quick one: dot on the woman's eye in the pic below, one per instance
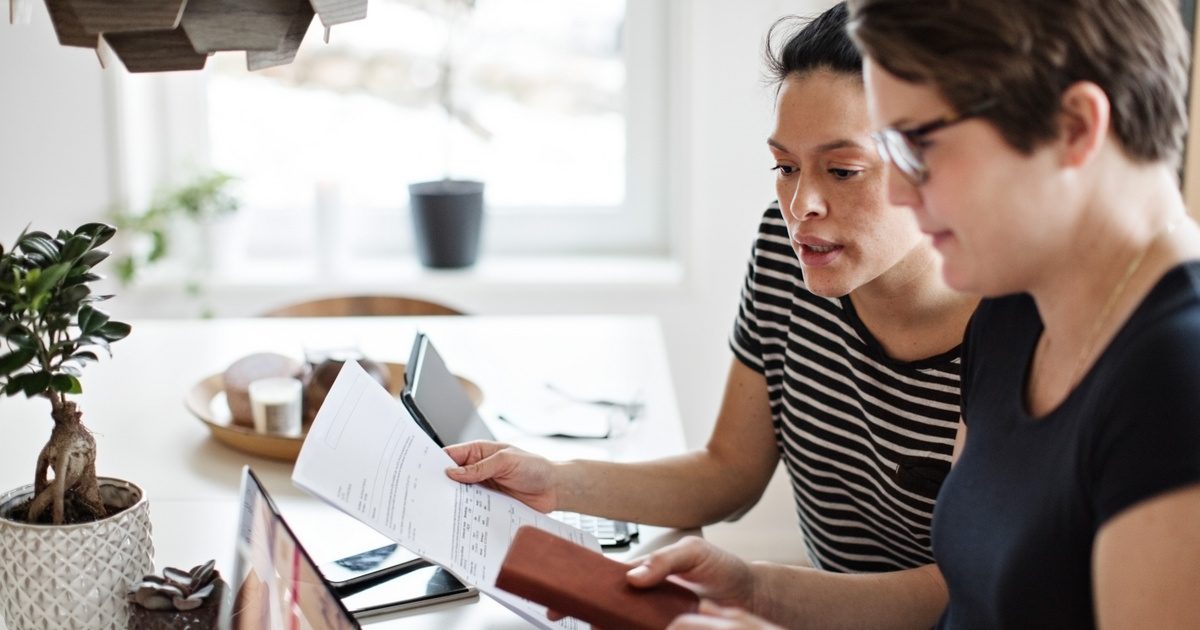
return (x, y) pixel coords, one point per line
(844, 173)
(784, 169)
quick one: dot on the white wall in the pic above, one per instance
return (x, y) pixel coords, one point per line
(54, 151)
(52, 134)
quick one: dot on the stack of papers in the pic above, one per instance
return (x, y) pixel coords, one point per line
(366, 456)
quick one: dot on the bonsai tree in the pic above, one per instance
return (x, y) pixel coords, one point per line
(50, 330)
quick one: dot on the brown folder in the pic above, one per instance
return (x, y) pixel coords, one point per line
(582, 583)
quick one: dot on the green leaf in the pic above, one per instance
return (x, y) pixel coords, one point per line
(33, 383)
(81, 278)
(114, 331)
(158, 245)
(71, 296)
(70, 368)
(66, 384)
(95, 340)
(84, 356)
(49, 279)
(76, 246)
(100, 232)
(126, 269)
(36, 260)
(93, 258)
(13, 387)
(39, 245)
(85, 315)
(96, 318)
(16, 360)
(22, 339)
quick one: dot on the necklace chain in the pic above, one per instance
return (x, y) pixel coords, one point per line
(1111, 303)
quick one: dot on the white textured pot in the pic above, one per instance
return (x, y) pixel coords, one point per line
(73, 577)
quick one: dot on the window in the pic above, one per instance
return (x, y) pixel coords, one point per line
(558, 106)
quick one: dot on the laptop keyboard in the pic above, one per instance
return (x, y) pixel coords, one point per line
(610, 533)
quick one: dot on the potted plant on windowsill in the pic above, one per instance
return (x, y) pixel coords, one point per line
(447, 214)
(194, 218)
(71, 544)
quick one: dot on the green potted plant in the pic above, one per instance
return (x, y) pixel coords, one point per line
(447, 214)
(200, 201)
(71, 545)
(192, 214)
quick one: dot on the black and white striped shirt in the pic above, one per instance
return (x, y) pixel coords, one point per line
(866, 439)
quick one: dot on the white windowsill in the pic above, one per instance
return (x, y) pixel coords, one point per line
(491, 272)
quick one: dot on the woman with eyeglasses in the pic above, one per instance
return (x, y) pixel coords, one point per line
(846, 353)
(1038, 144)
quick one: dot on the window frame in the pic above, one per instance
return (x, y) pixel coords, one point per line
(154, 136)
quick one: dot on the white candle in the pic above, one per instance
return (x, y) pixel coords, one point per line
(275, 405)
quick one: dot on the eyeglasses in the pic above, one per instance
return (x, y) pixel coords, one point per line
(904, 147)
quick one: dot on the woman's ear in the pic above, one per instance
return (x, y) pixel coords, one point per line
(1083, 122)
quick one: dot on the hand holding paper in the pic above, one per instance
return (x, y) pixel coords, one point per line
(366, 456)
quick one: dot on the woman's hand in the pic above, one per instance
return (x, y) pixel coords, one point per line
(707, 569)
(714, 617)
(524, 476)
(718, 576)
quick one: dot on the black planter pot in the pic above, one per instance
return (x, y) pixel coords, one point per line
(447, 221)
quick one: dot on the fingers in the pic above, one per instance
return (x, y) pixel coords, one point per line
(471, 452)
(709, 607)
(710, 616)
(678, 557)
(483, 461)
(477, 472)
(476, 461)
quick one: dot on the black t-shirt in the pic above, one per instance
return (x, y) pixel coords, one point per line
(1018, 514)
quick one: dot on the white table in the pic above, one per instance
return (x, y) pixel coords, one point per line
(133, 404)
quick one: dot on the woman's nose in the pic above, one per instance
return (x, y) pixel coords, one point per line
(901, 192)
(806, 202)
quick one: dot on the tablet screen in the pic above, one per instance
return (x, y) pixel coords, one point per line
(440, 399)
(275, 584)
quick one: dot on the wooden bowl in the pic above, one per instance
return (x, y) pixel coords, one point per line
(206, 400)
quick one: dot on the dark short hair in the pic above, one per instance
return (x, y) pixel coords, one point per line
(1022, 55)
(817, 44)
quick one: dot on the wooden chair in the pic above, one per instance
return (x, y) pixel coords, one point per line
(362, 305)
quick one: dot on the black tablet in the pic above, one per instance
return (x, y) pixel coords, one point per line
(424, 586)
(438, 401)
(372, 565)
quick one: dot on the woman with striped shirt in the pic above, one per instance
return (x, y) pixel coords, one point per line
(846, 353)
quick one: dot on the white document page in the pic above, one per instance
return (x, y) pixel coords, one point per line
(366, 456)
